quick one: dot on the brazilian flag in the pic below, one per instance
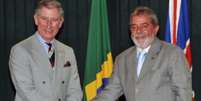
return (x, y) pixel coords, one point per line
(99, 64)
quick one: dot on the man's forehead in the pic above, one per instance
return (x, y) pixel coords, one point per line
(140, 20)
(49, 11)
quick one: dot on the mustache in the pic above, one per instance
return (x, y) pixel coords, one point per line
(138, 35)
(142, 44)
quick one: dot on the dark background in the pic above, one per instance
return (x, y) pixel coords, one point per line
(16, 24)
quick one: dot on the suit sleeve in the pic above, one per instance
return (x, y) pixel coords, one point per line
(181, 77)
(74, 91)
(19, 65)
(114, 89)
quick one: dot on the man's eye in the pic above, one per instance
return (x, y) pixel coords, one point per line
(145, 25)
(44, 18)
(56, 19)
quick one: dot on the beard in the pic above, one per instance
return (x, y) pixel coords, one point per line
(142, 42)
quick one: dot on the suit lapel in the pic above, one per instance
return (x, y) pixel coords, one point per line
(131, 65)
(151, 57)
(40, 56)
(59, 58)
(131, 73)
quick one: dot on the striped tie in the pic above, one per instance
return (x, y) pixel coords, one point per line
(51, 54)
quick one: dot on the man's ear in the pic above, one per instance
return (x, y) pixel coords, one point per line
(35, 19)
(61, 22)
(156, 29)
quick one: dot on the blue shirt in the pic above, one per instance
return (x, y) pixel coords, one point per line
(43, 42)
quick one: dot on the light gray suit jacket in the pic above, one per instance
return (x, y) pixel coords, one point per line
(35, 80)
(164, 76)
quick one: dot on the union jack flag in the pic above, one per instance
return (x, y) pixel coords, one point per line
(177, 28)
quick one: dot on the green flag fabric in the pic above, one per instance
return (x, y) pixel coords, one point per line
(99, 64)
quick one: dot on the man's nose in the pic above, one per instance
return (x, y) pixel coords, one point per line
(49, 22)
(139, 29)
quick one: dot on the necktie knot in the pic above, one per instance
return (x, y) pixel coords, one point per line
(49, 46)
(141, 55)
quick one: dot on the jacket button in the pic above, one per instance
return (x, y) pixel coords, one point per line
(62, 82)
(59, 99)
(43, 82)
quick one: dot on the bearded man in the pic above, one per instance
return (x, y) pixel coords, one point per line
(152, 70)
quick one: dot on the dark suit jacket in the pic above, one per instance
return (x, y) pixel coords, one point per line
(164, 76)
(34, 78)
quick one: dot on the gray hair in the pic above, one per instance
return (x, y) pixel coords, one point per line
(49, 4)
(142, 10)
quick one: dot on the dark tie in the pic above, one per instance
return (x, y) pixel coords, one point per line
(50, 46)
(51, 54)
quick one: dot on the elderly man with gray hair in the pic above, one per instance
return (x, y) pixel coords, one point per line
(41, 67)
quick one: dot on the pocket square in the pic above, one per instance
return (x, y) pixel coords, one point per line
(67, 64)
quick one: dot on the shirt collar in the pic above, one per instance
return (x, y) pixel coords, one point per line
(145, 50)
(41, 39)
(43, 42)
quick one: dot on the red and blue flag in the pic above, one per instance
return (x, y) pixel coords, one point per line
(177, 27)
